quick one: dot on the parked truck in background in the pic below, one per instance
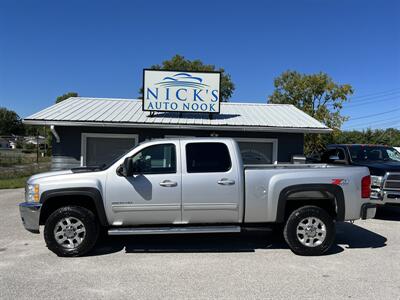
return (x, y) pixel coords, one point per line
(198, 185)
(382, 161)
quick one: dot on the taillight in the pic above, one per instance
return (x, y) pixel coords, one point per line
(366, 187)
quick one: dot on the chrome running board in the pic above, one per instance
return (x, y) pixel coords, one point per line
(173, 230)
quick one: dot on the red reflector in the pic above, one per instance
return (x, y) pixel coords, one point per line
(366, 187)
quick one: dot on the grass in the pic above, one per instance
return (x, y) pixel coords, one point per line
(16, 167)
(12, 157)
(13, 183)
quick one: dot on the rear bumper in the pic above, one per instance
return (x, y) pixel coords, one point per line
(30, 214)
(368, 211)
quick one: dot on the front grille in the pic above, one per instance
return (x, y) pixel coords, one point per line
(392, 182)
(393, 177)
(392, 185)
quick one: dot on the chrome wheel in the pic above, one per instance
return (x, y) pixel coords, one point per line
(311, 232)
(69, 232)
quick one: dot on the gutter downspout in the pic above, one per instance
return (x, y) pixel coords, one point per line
(54, 132)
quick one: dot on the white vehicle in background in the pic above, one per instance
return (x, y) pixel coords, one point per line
(197, 185)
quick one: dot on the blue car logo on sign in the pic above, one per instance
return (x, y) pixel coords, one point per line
(184, 80)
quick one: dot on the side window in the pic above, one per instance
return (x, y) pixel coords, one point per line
(157, 159)
(207, 158)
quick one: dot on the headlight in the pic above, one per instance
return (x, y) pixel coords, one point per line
(32, 193)
(376, 180)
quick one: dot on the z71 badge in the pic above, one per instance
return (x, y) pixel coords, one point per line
(340, 181)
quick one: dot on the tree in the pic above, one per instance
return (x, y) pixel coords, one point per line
(389, 136)
(10, 122)
(179, 63)
(66, 96)
(317, 95)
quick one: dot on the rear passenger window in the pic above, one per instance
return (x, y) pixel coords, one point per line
(207, 158)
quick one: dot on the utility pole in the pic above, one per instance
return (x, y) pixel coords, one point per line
(45, 140)
(37, 146)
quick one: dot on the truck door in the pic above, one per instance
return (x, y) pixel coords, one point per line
(154, 195)
(210, 183)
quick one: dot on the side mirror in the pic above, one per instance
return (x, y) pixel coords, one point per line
(334, 157)
(126, 168)
(336, 160)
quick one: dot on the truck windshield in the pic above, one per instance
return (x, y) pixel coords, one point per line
(110, 163)
(360, 153)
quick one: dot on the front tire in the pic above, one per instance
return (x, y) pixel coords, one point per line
(309, 231)
(71, 231)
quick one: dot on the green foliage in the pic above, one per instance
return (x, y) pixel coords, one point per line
(10, 122)
(317, 95)
(179, 63)
(31, 129)
(66, 96)
(15, 177)
(390, 137)
(30, 147)
(13, 183)
(10, 158)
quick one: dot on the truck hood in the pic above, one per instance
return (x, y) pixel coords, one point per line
(381, 167)
(49, 174)
(63, 172)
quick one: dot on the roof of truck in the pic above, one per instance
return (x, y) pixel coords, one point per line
(362, 145)
(82, 111)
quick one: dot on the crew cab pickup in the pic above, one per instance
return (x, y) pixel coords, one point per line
(198, 185)
(382, 161)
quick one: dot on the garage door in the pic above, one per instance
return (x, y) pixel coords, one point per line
(258, 151)
(99, 149)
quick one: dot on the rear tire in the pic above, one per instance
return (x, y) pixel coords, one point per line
(309, 231)
(71, 231)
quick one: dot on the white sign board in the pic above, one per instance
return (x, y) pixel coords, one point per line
(181, 91)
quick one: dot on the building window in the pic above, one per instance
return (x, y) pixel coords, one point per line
(102, 148)
(207, 158)
(258, 151)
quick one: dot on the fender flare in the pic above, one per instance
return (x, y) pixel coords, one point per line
(336, 190)
(93, 193)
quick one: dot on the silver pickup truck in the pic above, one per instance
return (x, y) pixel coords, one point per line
(195, 185)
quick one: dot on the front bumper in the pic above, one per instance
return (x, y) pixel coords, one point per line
(30, 214)
(385, 196)
(368, 211)
(391, 197)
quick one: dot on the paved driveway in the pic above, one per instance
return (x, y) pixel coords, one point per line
(364, 263)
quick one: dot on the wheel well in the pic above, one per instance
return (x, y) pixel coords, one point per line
(328, 197)
(327, 204)
(56, 202)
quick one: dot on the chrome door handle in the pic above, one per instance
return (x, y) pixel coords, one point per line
(168, 183)
(226, 181)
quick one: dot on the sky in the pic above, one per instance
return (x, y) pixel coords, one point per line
(99, 48)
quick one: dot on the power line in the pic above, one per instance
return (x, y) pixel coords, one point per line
(375, 114)
(378, 121)
(378, 94)
(393, 122)
(372, 100)
(367, 102)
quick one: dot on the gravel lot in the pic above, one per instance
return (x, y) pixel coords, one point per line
(364, 263)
